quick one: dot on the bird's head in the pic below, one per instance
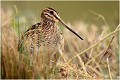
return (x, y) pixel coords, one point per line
(50, 14)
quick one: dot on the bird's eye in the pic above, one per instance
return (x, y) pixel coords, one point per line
(51, 12)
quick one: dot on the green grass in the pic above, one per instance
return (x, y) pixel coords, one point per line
(96, 57)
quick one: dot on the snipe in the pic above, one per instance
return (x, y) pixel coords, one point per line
(45, 37)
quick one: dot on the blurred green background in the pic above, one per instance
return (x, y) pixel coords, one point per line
(71, 11)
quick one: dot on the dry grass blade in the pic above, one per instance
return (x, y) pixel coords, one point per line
(100, 16)
(115, 31)
(82, 63)
(109, 69)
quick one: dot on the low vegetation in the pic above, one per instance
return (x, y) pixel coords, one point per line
(96, 57)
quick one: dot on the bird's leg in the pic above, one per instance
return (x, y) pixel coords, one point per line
(63, 55)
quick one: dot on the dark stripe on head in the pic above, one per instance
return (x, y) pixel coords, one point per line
(50, 8)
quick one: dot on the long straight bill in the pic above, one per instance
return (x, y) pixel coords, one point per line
(70, 29)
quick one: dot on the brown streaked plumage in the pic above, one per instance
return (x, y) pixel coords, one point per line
(45, 37)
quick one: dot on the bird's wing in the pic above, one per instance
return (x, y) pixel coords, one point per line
(25, 35)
